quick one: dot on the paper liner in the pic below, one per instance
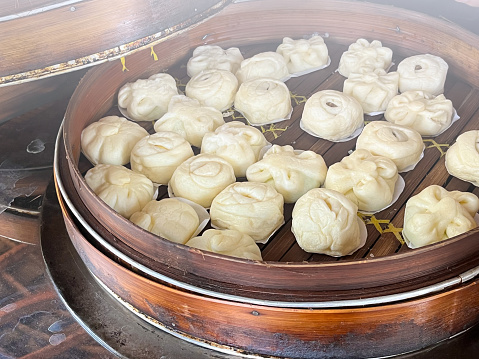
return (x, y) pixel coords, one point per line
(313, 69)
(287, 117)
(398, 189)
(202, 213)
(412, 246)
(262, 241)
(355, 134)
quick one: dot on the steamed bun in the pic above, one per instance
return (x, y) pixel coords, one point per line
(189, 119)
(363, 56)
(301, 55)
(429, 115)
(169, 218)
(237, 143)
(147, 99)
(367, 180)
(249, 207)
(200, 178)
(422, 73)
(325, 221)
(124, 190)
(158, 155)
(110, 140)
(373, 90)
(213, 88)
(265, 64)
(462, 158)
(436, 214)
(208, 57)
(263, 101)
(401, 144)
(228, 242)
(291, 173)
(332, 115)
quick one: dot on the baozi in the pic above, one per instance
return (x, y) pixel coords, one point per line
(435, 214)
(188, 118)
(208, 57)
(147, 99)
(158, 155)
(401, 144)
(213, 88)
(332, 115)
(367, 180)
(169, 218)
(325, 221)
(124, 190)
(427, 114)
(237, 143)
(228, 242)
(265, 64)
(250, 207)
(422, 73)
(364, 56)
(263, 101)
(200, 178)
(292, 173)
(462, 158)
(110, 140)
(304, 54)
(373, 89)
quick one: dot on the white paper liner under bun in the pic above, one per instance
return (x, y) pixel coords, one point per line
(398, 189)
(355, 134)
(412, 246)
(262, 241)
(203, 215)
(313, 69)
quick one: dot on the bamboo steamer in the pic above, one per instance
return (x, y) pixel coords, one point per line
(290, 287)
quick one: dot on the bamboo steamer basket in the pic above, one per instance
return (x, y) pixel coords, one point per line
(290, 286)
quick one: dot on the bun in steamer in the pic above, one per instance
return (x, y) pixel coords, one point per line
(436, 214)
(265, 64)
(147, 99)
(158, 155)
(367, 180)
(462, 158)
(422, 73)
(401, 144)
(169, 218)
(292, 173)
(200, 178)
(250, 207)
(263, 101)
(124, 190)
(364, 56)
(110, 140)
(237, 143)
(208, 57)
(427, 114)
(228, 242)
(325, 221)
(304, 54)
(213, 88)
(188, 118)
(332, 115)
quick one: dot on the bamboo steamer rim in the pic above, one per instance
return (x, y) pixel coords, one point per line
(468, 40)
